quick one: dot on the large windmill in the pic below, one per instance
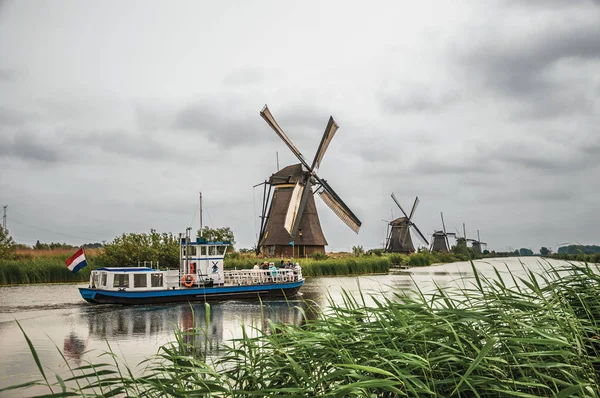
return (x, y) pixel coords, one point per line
(289, 223)
(440, 241)
(399, 240)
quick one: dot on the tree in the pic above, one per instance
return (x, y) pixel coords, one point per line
(223, 234)
(7, 245)
(358, 250)
(129, 249)
(525, 252)
(544, 251)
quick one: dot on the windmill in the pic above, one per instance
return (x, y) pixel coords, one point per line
(440, 239)
(399, 240)
(477, 244)
(289, 223)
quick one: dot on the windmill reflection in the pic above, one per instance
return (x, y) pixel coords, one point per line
(74, 347)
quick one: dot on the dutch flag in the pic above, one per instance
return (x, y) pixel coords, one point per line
(76, 261)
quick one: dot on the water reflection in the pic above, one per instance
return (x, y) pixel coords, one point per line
(116, 323)
(74, 347)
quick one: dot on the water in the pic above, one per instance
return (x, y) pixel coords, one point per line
(55, 317)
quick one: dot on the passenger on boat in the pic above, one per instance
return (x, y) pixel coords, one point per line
(256, 266)
(265, 265)
(282, 264)
(290, 264)
(273, 270)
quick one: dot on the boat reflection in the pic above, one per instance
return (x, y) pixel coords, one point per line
(200, 331)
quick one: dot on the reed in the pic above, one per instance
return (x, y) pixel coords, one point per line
(535, 336)
(42, 270)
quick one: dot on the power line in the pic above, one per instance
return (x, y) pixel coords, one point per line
(37, 227)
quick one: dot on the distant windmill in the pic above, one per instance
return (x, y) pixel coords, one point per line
(440, 239)
(289, 222)
(477, 244)
(399, 240)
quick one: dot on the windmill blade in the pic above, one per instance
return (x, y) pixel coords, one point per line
(266, 114)
(337, 205)
(307, 190)
(398, 203)
(444, 228)
(415, 204)
(330, 130)
(292, 212)
(420, 235)
(478, 238)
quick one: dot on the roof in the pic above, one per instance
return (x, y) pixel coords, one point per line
(288, 175)
(127, 269)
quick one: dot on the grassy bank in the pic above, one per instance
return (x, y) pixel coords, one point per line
(536, 339)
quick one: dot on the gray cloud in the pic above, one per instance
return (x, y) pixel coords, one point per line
(7, 74)
(15, 118)
(119, 142)
(417, 100)
(519, 64)
(31, 147)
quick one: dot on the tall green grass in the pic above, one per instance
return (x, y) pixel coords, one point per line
(42, 270)
(536, 336)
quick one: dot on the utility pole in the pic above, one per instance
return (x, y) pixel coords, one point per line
(4, 220)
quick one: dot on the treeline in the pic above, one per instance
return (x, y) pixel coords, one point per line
(579, 249)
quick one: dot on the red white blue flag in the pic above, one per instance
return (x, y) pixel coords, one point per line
(77, 261)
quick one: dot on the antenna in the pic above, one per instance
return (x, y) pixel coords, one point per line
(200, 214)
(277, 156)
(4, 220)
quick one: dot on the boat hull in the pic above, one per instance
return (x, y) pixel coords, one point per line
(99, 296)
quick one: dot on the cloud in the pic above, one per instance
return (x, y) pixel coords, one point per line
(14, 118)
(7, 74)
(244, 76)
(32, 147)
(520, 57)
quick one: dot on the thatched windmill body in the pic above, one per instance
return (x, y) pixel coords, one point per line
(290, 224)
(399, 239)
(439, 239)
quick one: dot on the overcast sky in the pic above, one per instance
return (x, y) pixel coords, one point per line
(114, 115)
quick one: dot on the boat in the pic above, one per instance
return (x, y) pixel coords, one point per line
(201, 277)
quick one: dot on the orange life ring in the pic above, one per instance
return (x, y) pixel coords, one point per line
(188, 280)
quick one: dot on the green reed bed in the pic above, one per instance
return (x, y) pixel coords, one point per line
(40, 270)
(536, 336)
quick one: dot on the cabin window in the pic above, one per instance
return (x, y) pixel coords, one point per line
(140, 280)
(121, 280)
(221, 249)
(103, 279)
(204, 250)
(157, 280)
(213, 250)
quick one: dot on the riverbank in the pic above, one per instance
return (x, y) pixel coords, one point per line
(521, 327)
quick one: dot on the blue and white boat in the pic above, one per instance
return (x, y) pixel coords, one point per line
(201, 277)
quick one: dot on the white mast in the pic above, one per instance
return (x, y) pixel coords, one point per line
(200, 214)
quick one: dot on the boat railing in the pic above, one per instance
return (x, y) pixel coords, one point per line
(260, 276)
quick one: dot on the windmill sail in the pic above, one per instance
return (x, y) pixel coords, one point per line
(266, 114)
(330, 130)
(339, 207)
(292, 212)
